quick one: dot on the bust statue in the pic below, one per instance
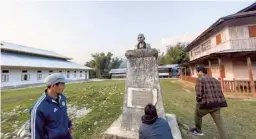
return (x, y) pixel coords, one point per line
(141, 43)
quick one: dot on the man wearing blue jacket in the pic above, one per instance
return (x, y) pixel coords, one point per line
(49, 118)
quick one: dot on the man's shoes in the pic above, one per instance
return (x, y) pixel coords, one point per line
(195, 131)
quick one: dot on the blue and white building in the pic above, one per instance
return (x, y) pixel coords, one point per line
(164, 71)
(22, 65)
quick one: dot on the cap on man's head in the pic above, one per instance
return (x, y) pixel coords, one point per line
(55, 78)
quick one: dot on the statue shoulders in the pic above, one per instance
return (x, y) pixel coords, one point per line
(148, 45)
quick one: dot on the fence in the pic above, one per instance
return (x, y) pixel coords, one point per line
(239, 86)
(236, 86)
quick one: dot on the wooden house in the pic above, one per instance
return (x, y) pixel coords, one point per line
(228, 49)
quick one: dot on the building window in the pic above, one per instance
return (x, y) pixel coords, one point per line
(24, 71)
(205, 46)
(25, 77)
(252, 31)
(5, 76)
(81, 73)
(197, 50)
(39, 75)
(85, 74)
(218, 39)
(60, 71)
(50, 72)
(75, 74)
(5, 71)
(67, 74)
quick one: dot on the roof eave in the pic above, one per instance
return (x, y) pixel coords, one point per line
(247, 8)
(204, 33)
(11, 50)
(12, 66)
(213, 26)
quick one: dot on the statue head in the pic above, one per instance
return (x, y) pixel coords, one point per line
(141, 38)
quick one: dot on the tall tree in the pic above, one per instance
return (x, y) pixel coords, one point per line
(102, 63)
(161, 59)
(115, 63)
(176, 54)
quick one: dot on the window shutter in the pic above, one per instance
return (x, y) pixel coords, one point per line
(252, 31)
(218, 39)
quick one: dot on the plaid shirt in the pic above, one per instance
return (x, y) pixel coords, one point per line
(209, 94)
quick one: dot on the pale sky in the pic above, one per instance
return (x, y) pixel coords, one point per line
(78, 29)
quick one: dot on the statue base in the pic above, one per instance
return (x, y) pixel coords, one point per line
(115, 131)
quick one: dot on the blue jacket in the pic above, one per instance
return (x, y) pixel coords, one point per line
(49, 119)
(160, 129)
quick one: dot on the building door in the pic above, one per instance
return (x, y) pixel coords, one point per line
(85, 75)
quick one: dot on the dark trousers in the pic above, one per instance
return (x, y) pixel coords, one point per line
(215, 113)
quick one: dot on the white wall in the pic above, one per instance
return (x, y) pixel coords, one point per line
(240, 38)
(254, 70)
(233, 69)
(229, 69)
(224, 45)
(15, 76)
(215, 70)
(239, 32)
(193, 68)
(241, 70)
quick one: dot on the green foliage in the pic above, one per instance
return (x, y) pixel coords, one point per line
(175, 55)
(105, 99)
(161, 59)
(115, 63)
(103, 63)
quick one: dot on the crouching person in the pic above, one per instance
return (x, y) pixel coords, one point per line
(153, 127)
(49, 118)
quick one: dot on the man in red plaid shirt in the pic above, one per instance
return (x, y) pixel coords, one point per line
(210, 100)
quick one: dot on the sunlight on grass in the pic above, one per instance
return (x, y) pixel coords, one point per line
(105, 99)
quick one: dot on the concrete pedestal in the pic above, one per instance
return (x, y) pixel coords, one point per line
(142, 87)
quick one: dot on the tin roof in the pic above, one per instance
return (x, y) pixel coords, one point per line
(22, 60)
(29, 50)
(168, 66)
(121, 70)
(124, 70)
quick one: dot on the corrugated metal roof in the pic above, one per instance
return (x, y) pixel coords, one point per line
(21, 60)
(30, 50)
(168, 66)
(121, 70)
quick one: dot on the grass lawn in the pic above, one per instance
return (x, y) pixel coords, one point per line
(105, 99)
